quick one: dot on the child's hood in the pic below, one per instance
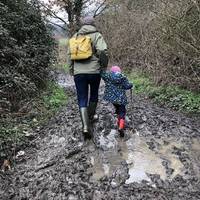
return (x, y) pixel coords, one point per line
(116, 78)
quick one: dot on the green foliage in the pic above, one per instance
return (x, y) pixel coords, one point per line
(141, 83)
(10, 136)
(26, 50)
(9, 133)
(56, 98)
(172, 96)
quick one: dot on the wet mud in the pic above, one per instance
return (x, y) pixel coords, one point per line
(158, 159)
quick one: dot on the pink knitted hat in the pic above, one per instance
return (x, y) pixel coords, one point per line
(115, 69)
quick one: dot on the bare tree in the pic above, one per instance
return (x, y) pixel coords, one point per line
(74, 9)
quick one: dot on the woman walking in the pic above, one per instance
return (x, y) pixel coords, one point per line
(85, 64)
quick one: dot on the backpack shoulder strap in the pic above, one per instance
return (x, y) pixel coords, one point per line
(86, 33)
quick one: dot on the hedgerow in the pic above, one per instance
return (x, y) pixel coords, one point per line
(26, 52)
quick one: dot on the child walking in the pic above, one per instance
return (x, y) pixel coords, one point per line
(115, 92)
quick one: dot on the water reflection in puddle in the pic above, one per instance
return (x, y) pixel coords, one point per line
(195, 155)
(140, 159)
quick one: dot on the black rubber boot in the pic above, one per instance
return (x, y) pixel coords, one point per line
(85, 122)
(92, 111)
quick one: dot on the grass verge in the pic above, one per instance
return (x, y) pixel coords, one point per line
(171, 96)
(15, 128)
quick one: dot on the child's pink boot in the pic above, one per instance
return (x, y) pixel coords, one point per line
(121, 125)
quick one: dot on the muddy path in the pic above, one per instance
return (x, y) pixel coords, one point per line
(159, 158)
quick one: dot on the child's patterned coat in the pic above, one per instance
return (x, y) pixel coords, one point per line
(116, 86)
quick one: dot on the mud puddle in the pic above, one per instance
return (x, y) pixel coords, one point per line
(106, 160)
(140, 159)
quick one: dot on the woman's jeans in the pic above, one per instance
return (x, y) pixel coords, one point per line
(83, 82)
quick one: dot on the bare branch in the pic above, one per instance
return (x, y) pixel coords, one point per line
(99, 7)
(51, 13)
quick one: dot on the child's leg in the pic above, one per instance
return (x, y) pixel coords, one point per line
(122, 114)
(122, 111)
(116, 108)
(117, 111)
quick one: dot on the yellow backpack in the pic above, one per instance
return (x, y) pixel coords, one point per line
(80, 47)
